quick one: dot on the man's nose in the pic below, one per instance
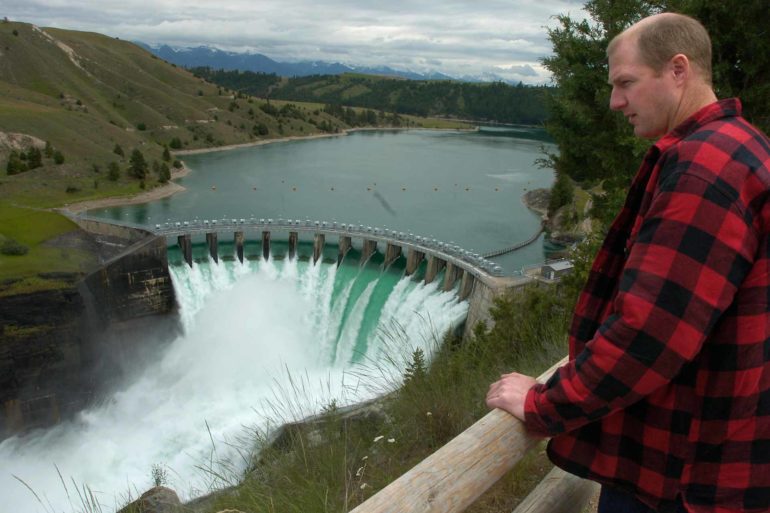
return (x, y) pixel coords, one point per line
(617, 100)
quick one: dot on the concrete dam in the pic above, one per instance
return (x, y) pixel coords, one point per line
(460, 265)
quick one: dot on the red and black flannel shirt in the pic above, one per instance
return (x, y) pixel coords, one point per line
(668, 389)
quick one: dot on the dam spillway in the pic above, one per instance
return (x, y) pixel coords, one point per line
(461, 264)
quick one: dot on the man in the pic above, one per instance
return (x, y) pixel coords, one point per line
(666, 399)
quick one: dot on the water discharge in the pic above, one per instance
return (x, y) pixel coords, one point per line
(262, 340)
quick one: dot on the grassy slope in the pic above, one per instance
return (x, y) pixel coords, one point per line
(84, 93)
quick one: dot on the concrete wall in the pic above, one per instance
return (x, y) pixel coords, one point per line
(483, 295)
(131, 235)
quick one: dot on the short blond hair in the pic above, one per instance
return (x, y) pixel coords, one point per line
(661, 37)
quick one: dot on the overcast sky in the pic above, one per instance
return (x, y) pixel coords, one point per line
(459, 38)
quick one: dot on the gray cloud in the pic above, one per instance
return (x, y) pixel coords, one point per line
(456, 37)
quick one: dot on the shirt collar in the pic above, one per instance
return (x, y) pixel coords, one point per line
(728, 107)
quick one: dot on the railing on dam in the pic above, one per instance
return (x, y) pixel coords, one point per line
(418, 246)
(453, 477)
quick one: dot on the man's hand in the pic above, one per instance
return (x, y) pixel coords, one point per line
(509, 393)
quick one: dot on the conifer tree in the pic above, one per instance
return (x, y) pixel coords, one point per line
(137, 165)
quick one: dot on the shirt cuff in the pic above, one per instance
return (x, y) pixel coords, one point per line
(534, 423)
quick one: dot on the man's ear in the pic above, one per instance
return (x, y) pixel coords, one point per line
(679, 65)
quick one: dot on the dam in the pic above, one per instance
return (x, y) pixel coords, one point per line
(460, 265)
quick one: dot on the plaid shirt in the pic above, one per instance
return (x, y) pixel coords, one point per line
(668, 389)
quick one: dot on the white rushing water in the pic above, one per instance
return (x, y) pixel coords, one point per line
(263, 341)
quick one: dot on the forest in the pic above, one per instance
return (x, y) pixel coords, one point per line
(494, 102)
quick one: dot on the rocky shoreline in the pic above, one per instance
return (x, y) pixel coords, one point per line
(537, 201)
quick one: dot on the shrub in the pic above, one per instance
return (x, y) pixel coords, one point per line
(175, 143)
(58, 157)
(13, 248)
(269, 109)
(34, 158)
(117, 150)
(71, 189)
(113, 171)
(15, 164)
(141, 127)
(177, 164)
(159, 475)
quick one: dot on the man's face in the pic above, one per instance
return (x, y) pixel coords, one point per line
(647, 98)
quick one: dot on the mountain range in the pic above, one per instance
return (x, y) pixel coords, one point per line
(215, 58)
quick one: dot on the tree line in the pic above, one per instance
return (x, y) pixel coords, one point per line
(497, 101)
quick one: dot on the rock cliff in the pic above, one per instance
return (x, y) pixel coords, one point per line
(59, 349)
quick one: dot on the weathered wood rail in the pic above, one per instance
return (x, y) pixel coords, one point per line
(452, 478)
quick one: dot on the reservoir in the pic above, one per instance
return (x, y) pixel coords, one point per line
(255, 333)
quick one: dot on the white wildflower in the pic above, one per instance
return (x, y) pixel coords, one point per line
(391, 440)
(378, 438)
(363, 485)
(359, 471)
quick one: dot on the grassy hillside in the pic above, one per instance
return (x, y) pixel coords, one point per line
(88, 102)
(84, 93)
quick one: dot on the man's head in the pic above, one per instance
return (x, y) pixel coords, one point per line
(660, 72)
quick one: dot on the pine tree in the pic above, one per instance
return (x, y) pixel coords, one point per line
(165, 173)
(137, 165)
(417, 368)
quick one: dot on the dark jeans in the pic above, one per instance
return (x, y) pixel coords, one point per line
(612, 500)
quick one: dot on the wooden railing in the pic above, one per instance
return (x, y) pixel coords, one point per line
(452, 478)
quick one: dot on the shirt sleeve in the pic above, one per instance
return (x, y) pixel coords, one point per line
(693, 250)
